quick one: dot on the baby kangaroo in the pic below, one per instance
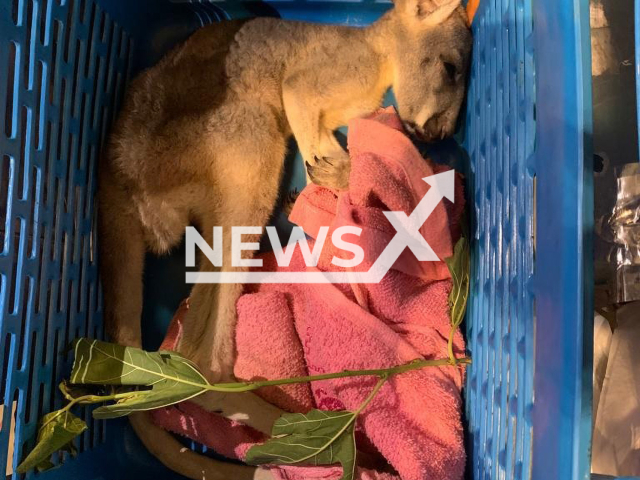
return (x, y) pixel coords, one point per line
(202, 137)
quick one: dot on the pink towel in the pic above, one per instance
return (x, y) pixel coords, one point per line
(412, 430)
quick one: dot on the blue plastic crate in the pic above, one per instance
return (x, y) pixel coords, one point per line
(63, 67)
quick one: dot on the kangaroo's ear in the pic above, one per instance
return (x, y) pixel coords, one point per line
(433, 12)
(472, 8)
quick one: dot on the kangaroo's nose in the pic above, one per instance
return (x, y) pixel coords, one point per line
(410, 126)
(433, 127)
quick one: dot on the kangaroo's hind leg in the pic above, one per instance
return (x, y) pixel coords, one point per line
(247, 174)
(247, 183)
(212, 314)
(122, 242)
(122, 249)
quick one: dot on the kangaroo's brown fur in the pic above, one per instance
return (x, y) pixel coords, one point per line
(202, 137)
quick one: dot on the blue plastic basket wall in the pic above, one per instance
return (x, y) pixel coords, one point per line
(63, 67)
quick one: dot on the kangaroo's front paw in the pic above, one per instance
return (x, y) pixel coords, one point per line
(332, 171)
(289, 201)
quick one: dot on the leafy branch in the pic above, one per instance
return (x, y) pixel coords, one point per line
(140, 380)
(165, 378)
(317, 438)
(58, 429)
(459, 268)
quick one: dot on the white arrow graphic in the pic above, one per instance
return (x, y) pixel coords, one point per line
(407, 236)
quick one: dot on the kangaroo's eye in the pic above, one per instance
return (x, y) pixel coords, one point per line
(451, 70)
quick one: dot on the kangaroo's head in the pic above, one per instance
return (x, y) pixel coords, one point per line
(431, 50)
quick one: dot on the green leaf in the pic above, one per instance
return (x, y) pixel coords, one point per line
(459, 268)
(57, 431)
(317, 438)
(168, 377)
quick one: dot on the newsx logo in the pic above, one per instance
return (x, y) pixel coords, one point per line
(407, 236)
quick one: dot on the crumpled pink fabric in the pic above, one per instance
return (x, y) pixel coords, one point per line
(412, 430)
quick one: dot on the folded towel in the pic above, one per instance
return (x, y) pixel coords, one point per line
(414, 424)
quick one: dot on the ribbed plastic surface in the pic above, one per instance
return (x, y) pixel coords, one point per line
(500, 139)
(63, 65)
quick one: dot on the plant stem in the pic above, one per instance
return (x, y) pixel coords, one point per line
(90, 399)
(239, 387)
(248, 386)
(373, 393)
(85, 400)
